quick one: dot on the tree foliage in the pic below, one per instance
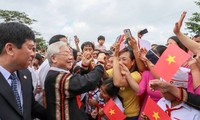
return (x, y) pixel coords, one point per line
(193, 23)
(41, 44)
(16, 16)
(22, 17)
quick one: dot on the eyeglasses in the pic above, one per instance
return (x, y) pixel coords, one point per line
(67, 55)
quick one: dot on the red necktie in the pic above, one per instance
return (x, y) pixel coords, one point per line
(169, 110)
(78, 101)
(98, 107)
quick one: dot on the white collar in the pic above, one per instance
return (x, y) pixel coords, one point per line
(177, 106)
(59, 69)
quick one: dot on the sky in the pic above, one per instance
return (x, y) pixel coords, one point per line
(90, 18)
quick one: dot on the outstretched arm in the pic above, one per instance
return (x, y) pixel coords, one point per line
(136, 52)
(190, 98)
(76, 40)
(132, 83)
(118, 79)
(190, 44)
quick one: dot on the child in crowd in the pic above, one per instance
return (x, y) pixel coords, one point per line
(91, 100)
(87, 50)
(108, 91)
(175, 107)
(101, 41)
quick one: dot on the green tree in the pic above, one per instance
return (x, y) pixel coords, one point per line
(193, 23)
(22, 17)
(41, 44)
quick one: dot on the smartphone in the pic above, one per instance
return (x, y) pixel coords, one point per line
(152, 56)
(143, 31)
(127, 33)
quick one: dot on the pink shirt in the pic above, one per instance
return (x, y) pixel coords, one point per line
(145, 90)
(190, 86)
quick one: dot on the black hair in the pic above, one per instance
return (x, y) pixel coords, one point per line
(131, 56)
(74, 53)
(154, 45)
(179, 43)
(16, 33)
(107, 53)
(111, 90)
(159, 49)
(196, 36)
(97, 50)
(128, 49)
(87, 43)
(56, 38)
(39, 58)
(101, 37)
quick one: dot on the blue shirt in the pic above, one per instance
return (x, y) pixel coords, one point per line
(6, 74)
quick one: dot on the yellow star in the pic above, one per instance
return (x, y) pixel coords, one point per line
(170, 59)
(112, 111)
(156, 115)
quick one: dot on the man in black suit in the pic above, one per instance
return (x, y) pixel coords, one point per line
(16, 53)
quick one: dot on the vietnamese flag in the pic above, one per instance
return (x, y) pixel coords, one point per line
(170, 61)
(112, 111)
(154, 112)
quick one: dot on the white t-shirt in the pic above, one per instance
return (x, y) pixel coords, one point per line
(185, 113)
(42, 71)
(103, 48)
(118, 103)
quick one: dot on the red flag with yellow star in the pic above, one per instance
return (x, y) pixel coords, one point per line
(112, 111)
(154, 112)
(170, 61)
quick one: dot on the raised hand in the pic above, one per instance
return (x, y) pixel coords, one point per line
(87, 58)
(144, 117)
(76, 41)
(157, 84)
(102, 58)
(133, 43)
(139, 35)
(116, 49)
(94, 113)
(178, 24)
(124, 69)
(142, 54)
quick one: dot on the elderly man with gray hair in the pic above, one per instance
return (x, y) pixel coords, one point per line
(63, 87)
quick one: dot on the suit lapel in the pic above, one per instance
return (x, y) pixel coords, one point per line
(7, 93)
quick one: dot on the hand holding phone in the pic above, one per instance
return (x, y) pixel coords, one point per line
(152, 56)
(143, 32)
(127, 33)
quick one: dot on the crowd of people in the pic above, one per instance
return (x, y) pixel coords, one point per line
(69, 83)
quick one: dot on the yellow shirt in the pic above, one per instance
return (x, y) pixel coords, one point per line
(130, 99)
